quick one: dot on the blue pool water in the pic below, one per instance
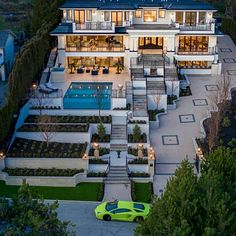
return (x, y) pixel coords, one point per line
(88, 95)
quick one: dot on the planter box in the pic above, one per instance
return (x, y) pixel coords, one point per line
(46, 163)
(138, 167)
(97, 168)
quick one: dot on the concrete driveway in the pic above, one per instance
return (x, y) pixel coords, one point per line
(82, 215)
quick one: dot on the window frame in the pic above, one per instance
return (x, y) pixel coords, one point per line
(141, 14)
(182, 17)
(107, 13)
(155, 19)
(126, 16)
(89, 15)
(162, 10)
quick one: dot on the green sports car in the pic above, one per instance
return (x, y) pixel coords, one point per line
(122, 210)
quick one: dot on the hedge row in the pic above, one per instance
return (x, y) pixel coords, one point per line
(29, 62)
(229, 27)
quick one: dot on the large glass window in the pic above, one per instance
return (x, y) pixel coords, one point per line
(193, 43)
(190, 18)
(88, 15)
(150, 43)
(150, 16)
(79, 16)
(194, 64)
(106, 16)
(116, 17)
(162, 13)
(69, 15)
(202, 18)
(179, 18)
(138, 14)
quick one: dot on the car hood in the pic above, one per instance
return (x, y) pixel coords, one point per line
(101, 207)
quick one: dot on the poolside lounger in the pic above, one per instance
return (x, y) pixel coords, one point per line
(44, 89)
(50, 86)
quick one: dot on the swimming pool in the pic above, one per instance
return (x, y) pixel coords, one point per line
(88, 95)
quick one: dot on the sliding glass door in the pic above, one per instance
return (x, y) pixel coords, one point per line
(117, 18)
(79, 17)
(190, 18)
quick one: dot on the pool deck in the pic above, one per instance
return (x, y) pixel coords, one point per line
(116, 79)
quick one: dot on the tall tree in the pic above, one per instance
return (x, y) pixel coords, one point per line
(25, 215)
(197, 206)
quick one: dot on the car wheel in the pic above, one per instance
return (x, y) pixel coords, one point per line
(107, 218)
(138, 219)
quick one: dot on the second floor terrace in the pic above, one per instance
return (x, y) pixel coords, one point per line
(94, 44)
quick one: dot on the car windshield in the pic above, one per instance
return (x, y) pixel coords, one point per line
(111, 206)
(139, 206)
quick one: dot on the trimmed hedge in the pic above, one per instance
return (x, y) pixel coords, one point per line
(42, 172)
(140, 161)
(29, 62)
(71, 119)
(97, 161)
(229, 27)
(54, 128)
(96, 174)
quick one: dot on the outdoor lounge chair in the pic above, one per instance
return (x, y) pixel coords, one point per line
(51, 87)
(44, 89)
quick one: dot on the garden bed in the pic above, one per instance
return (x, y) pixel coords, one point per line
(54, 128)
(31, 148)
(71, 119)
(96, 138)
(152, 114)
(102, 151)
(137, 122)
(82, 192)
(42, 172)
(134, 151)
(141, 139)
(97, 161)
(140, 161)
(171, 99)
(139, 175)
(97, 174)
(45, 108)
(142, 192)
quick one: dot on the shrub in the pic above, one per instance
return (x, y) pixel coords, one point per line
(100, 192)
(140, 161)
(138, 174)
(97, 161)
(226, 123)
(101, 129)
(137, 133)
(96, 174)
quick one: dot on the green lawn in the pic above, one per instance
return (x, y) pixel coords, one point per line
(82, 192)
(143, 192)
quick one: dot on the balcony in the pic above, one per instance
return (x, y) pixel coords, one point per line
(108, 27)
(207, 51)
(198, 27)
(118, 48)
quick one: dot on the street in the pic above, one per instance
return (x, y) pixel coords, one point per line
(81, 214)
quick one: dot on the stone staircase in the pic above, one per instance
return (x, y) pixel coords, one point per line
(117, 175)
(155, 87)
(139, 102)
(118, 147)
(118, 131)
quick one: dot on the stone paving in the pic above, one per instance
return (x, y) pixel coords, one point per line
(172, 141)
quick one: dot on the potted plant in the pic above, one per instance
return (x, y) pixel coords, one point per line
(119, 67)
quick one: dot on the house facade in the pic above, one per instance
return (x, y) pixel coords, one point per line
(178, 33)
(6, 53)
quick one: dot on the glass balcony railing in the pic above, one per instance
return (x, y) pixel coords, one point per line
(192, 51)
(104, 48)
(94, 26)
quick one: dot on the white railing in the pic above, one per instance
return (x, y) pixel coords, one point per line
(94, 26)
